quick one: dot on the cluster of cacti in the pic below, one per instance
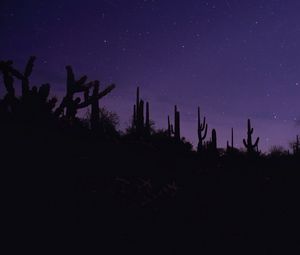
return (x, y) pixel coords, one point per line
(250, 146)
(140, 124)
(174, 130)
(210, 146)
(72, 105)
(36, 100)
(33, 100)
(202, 127)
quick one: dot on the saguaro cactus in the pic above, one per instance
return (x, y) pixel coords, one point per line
(139, 123)
(147, 122)
(202, 127)
(73, 86)
(231, 146)
(249, 144)
(214, 139)
(23, 77)
(93, 100)
(176, 123)
(170, 127)
(5, 67)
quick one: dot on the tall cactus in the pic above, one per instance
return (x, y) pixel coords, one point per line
(176, 123)
(93, 100)
(231, 146)
(202, 127)
(170, 127)
(138, 114)
(73, 86)
(140, 124)
(214, 140)
(147, 121)
(249, 144)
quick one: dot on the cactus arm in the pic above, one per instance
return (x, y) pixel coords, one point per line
(61, 107)
(203, 125)
(84, 104)
(70, 79)
(29, 67)
(8, 82)
(15, 73)
(245, 144)
(205, 132)
(106, 91)
(256, 142)
(82, 80)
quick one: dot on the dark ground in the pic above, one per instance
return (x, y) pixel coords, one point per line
(131, 198)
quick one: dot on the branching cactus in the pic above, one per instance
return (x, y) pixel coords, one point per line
(249, 144)
(24, 77)
(202, 131)
(93, 100)
(73, 86)
(5, 67)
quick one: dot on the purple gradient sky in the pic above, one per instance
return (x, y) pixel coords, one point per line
(235, 59)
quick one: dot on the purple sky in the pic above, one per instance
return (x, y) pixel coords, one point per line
(235, 59)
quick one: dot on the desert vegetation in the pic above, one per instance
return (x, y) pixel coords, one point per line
(142, 184)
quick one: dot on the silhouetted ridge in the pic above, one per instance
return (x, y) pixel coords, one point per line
(79, 178)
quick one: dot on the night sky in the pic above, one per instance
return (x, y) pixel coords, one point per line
(235, 59)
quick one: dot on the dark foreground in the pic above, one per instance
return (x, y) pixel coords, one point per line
(131, 199)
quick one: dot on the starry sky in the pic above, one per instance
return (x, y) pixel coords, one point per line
(236, 59)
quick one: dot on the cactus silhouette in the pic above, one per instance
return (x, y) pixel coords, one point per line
(73, 86)
(249, 144)
(147, 122)
(93, 100)
(24, 77)
(170, 128)
(5, 67)
(176, 124)
(33, 101)
(214, 140)
(139, 123)
(138, 114)
(231, 146)
(202, 127)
